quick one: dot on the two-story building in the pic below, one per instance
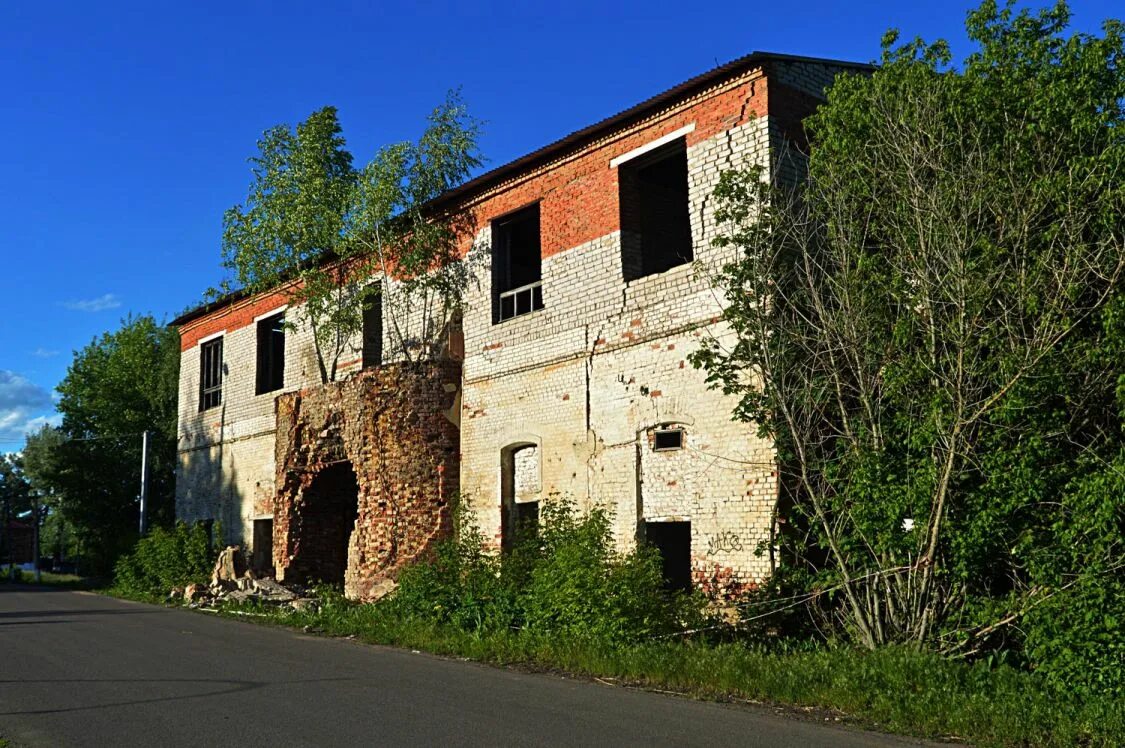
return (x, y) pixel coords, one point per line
(574, 380)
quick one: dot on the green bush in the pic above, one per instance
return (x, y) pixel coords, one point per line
(164, 559)
(564, 578)
(580, 586)
(11, 574)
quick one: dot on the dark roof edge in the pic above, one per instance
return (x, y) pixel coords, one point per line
(592, 132)
(575, 140)
(225, 300)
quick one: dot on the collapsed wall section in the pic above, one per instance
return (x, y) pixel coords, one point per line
(367, 471)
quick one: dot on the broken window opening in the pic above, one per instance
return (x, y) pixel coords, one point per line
(655, 226)
(210, 374)
(325, 522)
(271, 354)
(262, 558)
(519, 488)
(673, 541)
(517, 265)
(667, 439)
(373, 332)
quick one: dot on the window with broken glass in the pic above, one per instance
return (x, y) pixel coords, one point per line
(271, 354)
(517, 265)
(210, 374)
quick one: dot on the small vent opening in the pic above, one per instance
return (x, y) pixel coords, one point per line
(668, 439)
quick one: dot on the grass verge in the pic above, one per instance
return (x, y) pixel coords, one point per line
(50, 579)
(894, 690)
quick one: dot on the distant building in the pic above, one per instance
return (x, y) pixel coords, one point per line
(21, 536)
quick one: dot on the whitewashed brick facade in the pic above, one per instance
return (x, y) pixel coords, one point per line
(570, 394)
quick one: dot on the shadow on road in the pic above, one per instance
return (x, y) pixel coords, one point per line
(57, 613)
(35, 623)
(232, 686)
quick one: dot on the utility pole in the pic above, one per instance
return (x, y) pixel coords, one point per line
(144, 481)
(8, 535)
(35, 542)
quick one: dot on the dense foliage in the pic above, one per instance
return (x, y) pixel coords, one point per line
(566, 578)
(88, 469)
(16, 502)
(335, 237)
(934, 323)
(166, 558)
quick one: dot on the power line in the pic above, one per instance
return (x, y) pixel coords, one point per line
(80, 438)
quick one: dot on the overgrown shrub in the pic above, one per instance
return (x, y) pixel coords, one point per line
(566, 578)
(166, 558)
(934, 317)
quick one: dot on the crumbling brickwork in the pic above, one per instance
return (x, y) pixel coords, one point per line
(394, 428)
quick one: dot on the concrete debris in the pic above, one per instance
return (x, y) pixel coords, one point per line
(272, 591)
(380, 589)
(304, 604)
(194, 593)
(229, 567)
(242, 589)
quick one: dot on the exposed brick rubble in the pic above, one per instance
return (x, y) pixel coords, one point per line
(392, 427)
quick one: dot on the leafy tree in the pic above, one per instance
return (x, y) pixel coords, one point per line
(413, 250)
(15, 490)
(293, 218)
(16, 500)
(928, 325)
(326, 232)
(120, 385)
(42, 455)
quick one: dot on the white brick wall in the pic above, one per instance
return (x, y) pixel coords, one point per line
(603, 363)
(586, 379)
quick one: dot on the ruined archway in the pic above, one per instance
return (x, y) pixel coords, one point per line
(366, 469)
(329, 508)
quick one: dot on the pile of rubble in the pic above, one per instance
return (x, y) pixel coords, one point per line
(232, 580)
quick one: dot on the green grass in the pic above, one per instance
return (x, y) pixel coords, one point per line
(68, 581)
(895, 690)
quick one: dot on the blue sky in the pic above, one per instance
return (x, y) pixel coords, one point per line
(125, 127)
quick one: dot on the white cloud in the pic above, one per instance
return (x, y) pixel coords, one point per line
(100, 304)
(44, 352)
(24, 407)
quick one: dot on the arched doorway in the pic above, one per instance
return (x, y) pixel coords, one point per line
(329, 507)
(520, 489)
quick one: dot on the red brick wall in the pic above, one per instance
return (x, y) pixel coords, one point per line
(232, 317)
(578, 193)
(391, 424)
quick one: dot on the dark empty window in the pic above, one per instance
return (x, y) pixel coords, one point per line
(667, 439)
(517, 265)
(210, 373)
(373, 333)
(271, 354)
(655, 230)
(673, 541)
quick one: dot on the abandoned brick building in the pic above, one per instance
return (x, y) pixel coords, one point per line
(573, 381)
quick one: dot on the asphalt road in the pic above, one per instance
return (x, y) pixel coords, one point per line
(84, 670)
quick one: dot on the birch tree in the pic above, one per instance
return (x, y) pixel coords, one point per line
(922, 326)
